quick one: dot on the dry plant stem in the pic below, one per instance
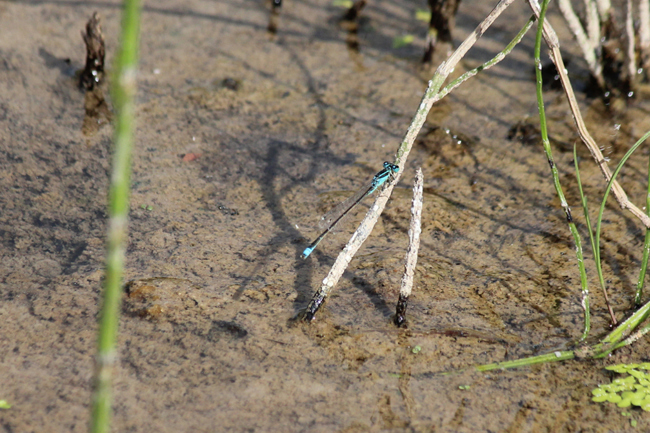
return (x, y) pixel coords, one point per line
(604, 9)
(593, 23)
(644, 34)
(431, 95)
(412, 253)
(552, 41)
(585, 42)
(353, 245)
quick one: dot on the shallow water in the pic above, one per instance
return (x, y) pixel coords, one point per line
(282, 127)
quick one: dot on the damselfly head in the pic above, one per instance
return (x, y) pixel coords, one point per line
(392, 167)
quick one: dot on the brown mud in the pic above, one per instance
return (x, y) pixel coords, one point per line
(244, 139)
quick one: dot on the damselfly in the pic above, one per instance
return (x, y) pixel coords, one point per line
(333, 217)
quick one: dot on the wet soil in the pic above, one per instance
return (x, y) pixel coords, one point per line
(244, 139)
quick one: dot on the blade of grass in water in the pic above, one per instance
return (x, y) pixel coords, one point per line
(583, 274)
(615, 336)
(646, 249)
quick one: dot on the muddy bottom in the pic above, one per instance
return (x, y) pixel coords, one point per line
(244, 139)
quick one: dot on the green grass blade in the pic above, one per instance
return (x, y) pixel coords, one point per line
(604, 201)
(584, 284)
(644, 263)
(646, 250)
(124, 87)
(611, 341)
(549, 156)
(549, 357)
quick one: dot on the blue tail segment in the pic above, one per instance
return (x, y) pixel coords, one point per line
(307, 252)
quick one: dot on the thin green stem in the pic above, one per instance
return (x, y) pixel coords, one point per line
(581, 265)
(549, 357)
(124, 87)
(634, 337)
(612, 340)
(644, 262)
(604, 201)
(646, 249)
(600, 350)
(549, 156)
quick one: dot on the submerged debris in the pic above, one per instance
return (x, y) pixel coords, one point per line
(163, 299)
(272, 27)
(353, 12)
(97, 112)
(231, 84)
(525, 132)
(93, 73)
(443, 15)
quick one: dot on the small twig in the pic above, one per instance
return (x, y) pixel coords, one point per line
(412, 253)
(431, 95)
(556, 56)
